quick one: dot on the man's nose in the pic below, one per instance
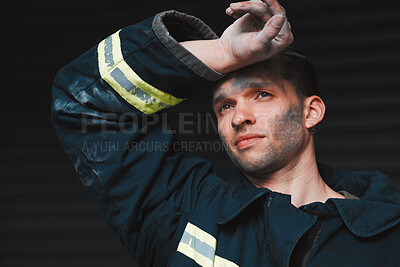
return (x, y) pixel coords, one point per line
(242, 115)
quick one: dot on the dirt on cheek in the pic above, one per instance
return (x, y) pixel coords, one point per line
(286, 129)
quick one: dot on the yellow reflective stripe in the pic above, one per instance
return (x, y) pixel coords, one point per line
(200, 246)
(221, 262)
(116, 48)
(123, 79)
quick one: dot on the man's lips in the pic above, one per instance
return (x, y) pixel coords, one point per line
(243, 141)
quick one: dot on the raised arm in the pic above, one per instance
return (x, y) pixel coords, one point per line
(125, 157)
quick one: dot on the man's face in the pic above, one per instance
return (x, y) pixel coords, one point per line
(260, 120)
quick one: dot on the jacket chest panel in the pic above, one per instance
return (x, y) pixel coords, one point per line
(234, 244)
(204, 242)
(337, 246)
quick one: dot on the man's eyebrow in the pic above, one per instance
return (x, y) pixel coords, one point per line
(218, 98)
(240, 86)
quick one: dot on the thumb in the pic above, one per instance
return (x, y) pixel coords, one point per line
(271, 29)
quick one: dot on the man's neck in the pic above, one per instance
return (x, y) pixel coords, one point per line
(300, 179)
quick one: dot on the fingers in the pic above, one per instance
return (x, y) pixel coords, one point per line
(257, 9)
(273, 34)
(263, 9)
(267, 18)
(271, 29)
(274, 7)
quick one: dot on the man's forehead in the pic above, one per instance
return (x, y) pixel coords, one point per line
(237, 84)
(257, 75)
(241, 81)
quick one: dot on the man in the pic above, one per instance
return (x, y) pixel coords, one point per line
(169, 208)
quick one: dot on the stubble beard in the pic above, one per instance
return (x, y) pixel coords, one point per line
(255, 165)
(287, 130)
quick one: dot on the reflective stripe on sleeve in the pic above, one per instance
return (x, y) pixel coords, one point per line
(123, 79)
(221, 262)
(200, 246)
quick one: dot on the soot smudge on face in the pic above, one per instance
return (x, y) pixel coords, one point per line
(288, 128)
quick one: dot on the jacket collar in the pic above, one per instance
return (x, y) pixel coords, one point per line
(377, 209)
(239, 195)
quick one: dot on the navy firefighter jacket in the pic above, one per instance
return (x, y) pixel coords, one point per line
(169, 208)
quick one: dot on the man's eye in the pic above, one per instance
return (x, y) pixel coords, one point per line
(263, 94)
(224, 107)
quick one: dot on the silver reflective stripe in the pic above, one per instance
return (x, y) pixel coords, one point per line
(108, 54)
(124, 80)
(200, 246)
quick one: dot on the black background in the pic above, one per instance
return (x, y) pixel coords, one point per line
(47, 219)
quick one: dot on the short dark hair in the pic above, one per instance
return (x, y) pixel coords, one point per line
(297, 69)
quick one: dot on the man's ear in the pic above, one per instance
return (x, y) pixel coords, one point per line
(314, 111)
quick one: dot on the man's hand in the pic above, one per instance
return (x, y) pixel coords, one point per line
(260, 32)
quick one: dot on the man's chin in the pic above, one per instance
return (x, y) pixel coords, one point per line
(250, 165)
(249, 155)
(254, 164)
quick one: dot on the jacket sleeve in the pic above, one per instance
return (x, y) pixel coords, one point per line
(101, 109)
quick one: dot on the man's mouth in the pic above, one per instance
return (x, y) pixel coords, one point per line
(244, 141)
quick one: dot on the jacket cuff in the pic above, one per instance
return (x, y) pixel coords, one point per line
(145, 64)
(172, 27)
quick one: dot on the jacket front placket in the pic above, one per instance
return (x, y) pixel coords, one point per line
(285, 225)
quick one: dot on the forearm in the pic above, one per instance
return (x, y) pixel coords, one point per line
(211, 53)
